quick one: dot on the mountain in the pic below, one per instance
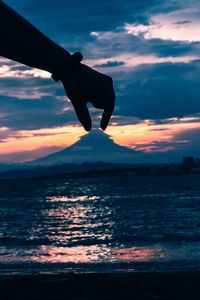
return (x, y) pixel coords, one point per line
(93, 147)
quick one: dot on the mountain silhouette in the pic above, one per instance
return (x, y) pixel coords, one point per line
(93, 147)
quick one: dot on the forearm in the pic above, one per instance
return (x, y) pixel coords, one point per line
(22, 42)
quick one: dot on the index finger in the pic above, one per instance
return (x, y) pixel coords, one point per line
(83, 115)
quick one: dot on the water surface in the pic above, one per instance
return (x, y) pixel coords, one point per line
(101, 224)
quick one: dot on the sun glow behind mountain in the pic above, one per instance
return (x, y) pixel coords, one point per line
(144, 137)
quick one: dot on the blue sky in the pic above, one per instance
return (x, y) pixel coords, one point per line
(150, 48)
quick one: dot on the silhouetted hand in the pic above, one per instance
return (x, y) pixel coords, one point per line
(84, 85)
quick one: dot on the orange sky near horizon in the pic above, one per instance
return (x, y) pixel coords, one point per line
(139, 136)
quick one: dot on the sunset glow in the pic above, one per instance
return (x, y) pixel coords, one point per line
(138, 136)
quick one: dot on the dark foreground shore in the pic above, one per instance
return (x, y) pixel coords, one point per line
(176, 285)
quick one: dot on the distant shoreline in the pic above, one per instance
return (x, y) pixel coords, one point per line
(100, 169)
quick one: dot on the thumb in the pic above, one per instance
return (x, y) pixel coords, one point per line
(83, 115)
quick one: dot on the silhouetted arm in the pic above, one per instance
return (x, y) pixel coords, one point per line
(24, 43)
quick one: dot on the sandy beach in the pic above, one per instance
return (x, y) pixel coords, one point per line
(176, 285)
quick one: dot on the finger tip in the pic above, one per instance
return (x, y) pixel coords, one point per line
(103, 126)
(87, 127)
(87, 124)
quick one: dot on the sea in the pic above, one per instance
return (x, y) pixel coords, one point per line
(94, 223)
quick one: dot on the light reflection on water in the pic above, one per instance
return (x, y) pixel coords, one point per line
(71, 199)
(99, 254)
(77, 218)
(93, 221)
(86, 254)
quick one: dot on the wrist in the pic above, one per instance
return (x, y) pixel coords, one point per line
(63, 70)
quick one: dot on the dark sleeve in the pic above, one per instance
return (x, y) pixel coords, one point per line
(24, 43)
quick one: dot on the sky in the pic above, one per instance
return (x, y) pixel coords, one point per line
(150, 48)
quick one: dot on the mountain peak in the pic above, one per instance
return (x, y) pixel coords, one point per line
(95, 136)
(92, 147)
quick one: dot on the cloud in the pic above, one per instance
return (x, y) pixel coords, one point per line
(69, 25)
(27, 87)
(156, 92)
(160, 91)
(118, 46)
(118, 43)
(110, 64)
(78, 17)
(180, 23)
(191, 135)
(4, 133)
(165, 29)
(34, 114)
(13, 70)
(182, 143)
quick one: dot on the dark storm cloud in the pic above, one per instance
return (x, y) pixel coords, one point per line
(194, 118)
(192, 135)
(192, 138)
(161, 145)
(110, 64)
(24, 85)
(119, 42)
(34, 114)
(81, 16)
(156, 92)
(70, 22)
(171, 48)
(183, 22)
(161, 91)
(124, 120)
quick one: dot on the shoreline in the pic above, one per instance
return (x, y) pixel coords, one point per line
(135, 285)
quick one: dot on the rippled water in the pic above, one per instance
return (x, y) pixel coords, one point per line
(100, 224)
